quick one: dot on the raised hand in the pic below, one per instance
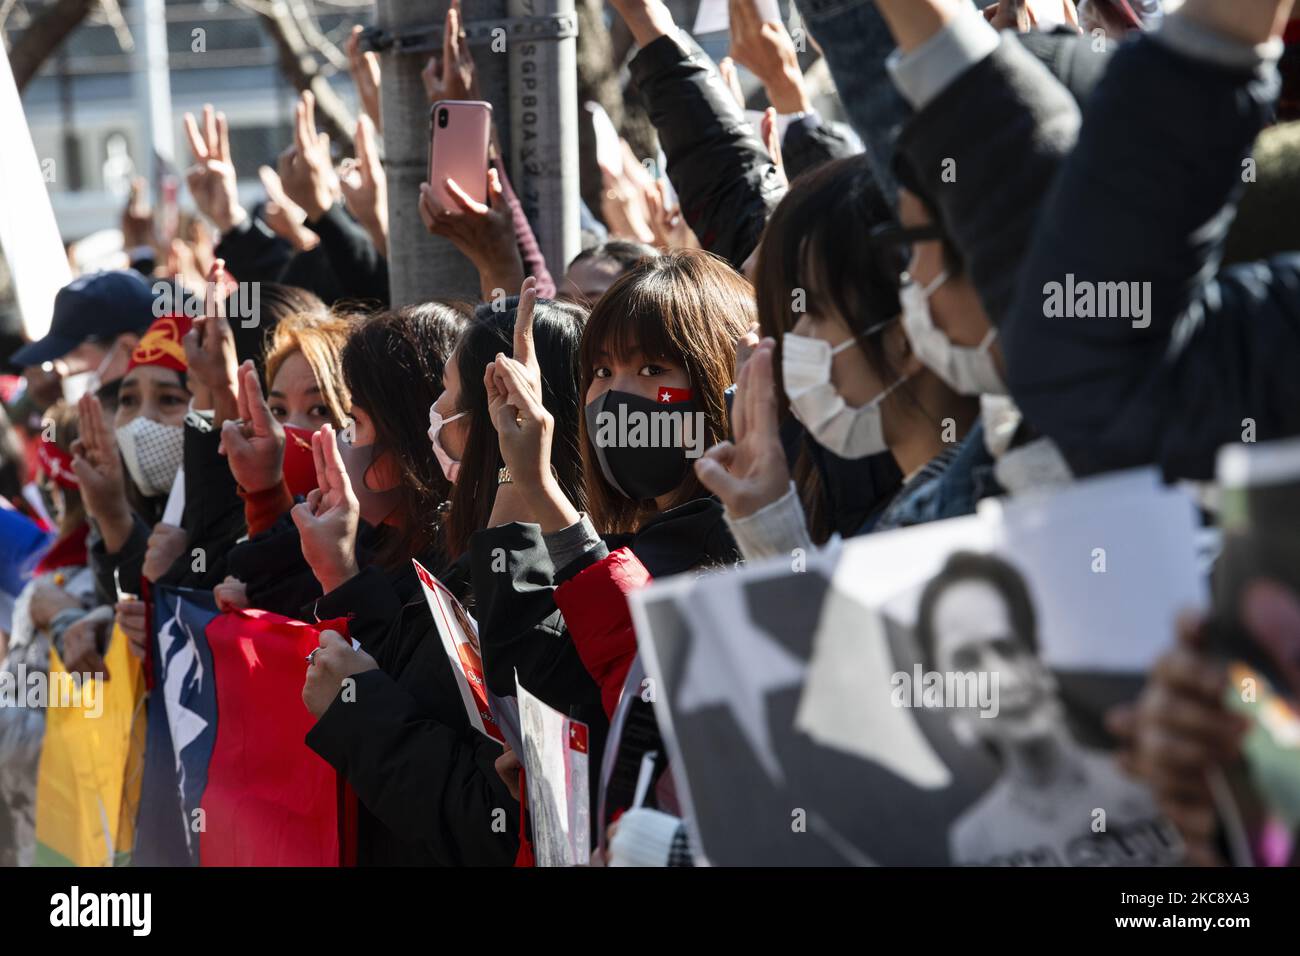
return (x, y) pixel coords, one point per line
(454, 77)
(772, 140)
(166, 543)
(130, 616)
(210, 348)
(524, 426)
(364, 67)
(752, 472)
(670, 227)
(1183, 730)
(514, 390)
(231, 595)
(484, 233)
(137, 216)
(624, 199)
(305, 168)
(211, 178)
(253, 445)
(282, 214)
(335, 661)
(731, 77)
(365, 186)
(98, 465)
(765, 48)
(327, 520)
(82, 639)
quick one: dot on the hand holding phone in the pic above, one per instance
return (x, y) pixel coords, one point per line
(459, 134)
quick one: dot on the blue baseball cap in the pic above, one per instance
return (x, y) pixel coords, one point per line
(99, 306)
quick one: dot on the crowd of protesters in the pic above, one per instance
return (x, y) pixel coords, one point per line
(856, 314)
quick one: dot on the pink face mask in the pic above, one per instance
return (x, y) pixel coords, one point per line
(450, 467)
(375, 506)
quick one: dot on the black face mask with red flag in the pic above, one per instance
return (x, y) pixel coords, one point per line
(641, 443)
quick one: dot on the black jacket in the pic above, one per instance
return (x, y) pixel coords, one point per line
(511, 585)
(346, 264)
(1004, 127)
(809, 142)
(360, 269)
(1146, 197)
(522, 632)
(690, 537)
(275, 575)
(724, 179)
(428, 790)
(214, 513)
(119, 569)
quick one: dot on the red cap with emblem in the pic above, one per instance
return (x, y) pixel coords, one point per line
(161, 344)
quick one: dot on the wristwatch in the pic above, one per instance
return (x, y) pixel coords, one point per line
(503, 476)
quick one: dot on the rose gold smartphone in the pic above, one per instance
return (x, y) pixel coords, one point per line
(459, 131)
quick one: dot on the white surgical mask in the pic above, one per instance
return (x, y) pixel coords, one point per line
(450, 467)
(840, 429)
(153, 453)
(966, 370)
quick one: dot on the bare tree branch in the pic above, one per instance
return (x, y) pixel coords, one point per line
(45, 35)
(113, 14)
(6, 7)
(314, 38)
(299, 65)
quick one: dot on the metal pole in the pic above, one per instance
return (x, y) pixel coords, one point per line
(152, 88)
(544, 124)
(421, 266)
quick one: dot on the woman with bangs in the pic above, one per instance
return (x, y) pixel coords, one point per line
(270, 458)
(270, 453)
(660, 342)
(304, 367)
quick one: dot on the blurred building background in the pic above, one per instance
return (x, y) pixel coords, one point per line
(85, 109)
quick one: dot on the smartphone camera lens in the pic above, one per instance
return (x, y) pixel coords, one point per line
(442, 119)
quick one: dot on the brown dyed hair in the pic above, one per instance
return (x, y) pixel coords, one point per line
(320, 340)
(687, 307)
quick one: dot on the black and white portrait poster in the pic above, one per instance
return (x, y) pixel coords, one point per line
(929, 696)
(555, 767)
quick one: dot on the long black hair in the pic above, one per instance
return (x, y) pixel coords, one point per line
(557, 335)
(393, 364)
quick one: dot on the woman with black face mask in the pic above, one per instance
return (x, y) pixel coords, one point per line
(656, 363)
(390, 716)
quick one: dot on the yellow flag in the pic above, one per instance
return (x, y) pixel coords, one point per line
(92, 761)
